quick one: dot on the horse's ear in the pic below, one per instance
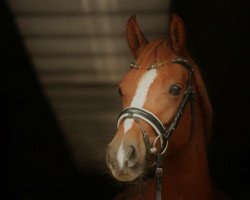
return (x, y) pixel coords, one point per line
(135, 37)
(177, 35)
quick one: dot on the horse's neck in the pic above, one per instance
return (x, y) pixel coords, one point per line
(186, 173)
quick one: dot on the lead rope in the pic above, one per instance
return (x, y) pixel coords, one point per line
(158, 174)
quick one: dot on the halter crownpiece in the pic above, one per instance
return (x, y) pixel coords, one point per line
(134, 65)
(177, 60)
(163, 134)
(152, 66)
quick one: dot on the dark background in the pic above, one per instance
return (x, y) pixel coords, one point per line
(39, 166)
(218, 34)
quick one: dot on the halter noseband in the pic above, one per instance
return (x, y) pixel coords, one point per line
(162, 133)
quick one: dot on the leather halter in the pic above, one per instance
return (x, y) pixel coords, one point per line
(152, 120)
(162, 133)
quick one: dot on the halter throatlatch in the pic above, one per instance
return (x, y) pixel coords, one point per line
(162, 133)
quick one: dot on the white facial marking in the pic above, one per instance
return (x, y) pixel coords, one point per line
(120, 156)
(140, 95)
(138, 101)
(127, 124)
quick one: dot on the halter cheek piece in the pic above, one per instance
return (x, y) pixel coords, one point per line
(162, 133)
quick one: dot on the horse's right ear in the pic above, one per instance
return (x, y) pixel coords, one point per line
(135, 37)
(177, 35)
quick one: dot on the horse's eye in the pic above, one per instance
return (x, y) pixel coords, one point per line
(175, 90)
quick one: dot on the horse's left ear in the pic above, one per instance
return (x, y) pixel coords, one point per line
(177, 35)
(135, 37)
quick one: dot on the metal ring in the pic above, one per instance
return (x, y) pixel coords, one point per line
(165, 148)
(153, 149)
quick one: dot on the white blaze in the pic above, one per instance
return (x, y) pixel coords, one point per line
(140, 95)
(120, 156)
(137, 101)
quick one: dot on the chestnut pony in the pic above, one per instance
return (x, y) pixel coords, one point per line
(154, 92)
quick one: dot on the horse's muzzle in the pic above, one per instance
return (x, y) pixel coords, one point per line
(123, 162)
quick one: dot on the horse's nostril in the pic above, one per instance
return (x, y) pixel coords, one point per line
(131, 156)
(132, 153)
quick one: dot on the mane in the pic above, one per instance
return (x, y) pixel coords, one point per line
(157, 51)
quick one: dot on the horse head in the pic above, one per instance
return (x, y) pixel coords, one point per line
(156, 86)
